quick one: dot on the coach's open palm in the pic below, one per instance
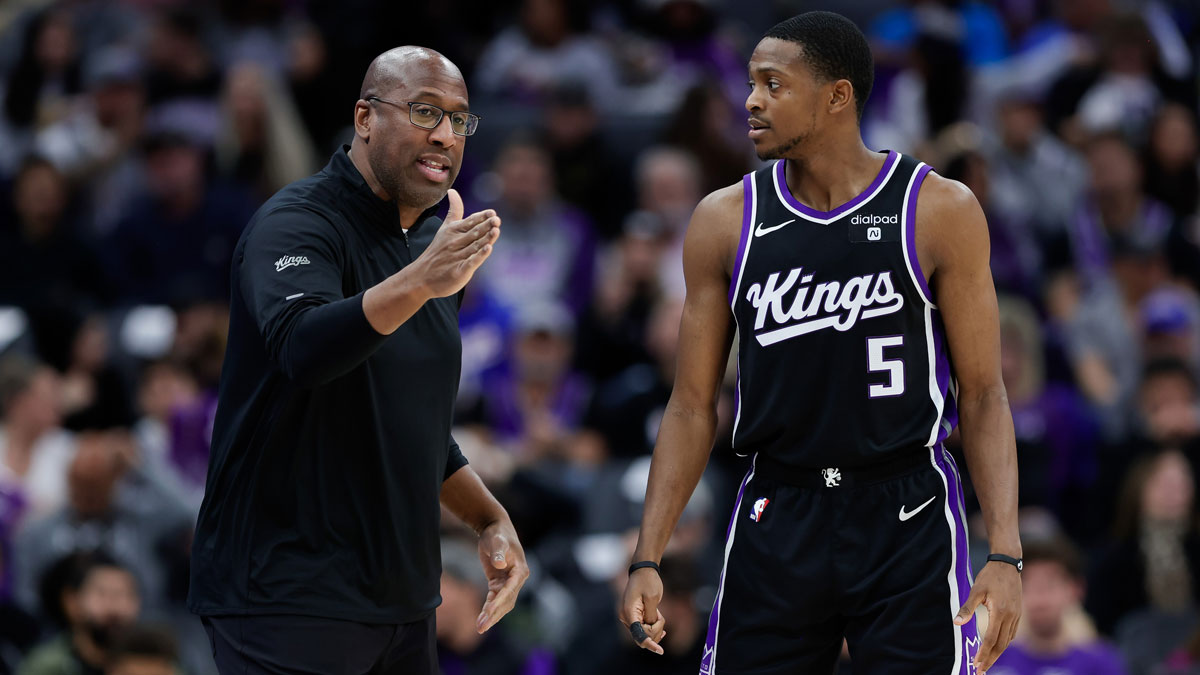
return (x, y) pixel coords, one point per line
(459, 248)
(998, 588)
(506, 570)
(643, 592)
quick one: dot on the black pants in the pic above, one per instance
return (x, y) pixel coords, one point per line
(287, 645)
(881, 563)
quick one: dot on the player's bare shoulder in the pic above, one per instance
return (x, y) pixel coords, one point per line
(950, 224)
(715, 228)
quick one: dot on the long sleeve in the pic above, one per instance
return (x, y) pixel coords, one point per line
(291, 280)
(455, 461)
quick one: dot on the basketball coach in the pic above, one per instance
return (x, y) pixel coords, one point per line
(317, 548)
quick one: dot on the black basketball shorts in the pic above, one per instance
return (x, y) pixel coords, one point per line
(878, 557)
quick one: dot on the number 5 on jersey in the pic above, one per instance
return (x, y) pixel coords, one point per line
(876, 363)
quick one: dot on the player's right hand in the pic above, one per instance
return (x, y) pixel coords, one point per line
(643, 592)
(458, 249)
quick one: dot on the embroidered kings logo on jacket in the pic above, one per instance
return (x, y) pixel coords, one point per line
(797, 309)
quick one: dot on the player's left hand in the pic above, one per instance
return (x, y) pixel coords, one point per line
(506, 570)
(998, 588)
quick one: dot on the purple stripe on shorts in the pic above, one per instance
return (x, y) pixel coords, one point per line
(710, 642)
(747, 203)
(962, 559)
(910, 217)
(809, 211)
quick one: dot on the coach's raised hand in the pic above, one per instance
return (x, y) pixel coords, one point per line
(457, 250)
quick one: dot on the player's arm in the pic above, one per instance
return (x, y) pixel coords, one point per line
(952, 237)
(465, 495)
(689, 423)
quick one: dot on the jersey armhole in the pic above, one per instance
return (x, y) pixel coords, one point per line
(908, 221)
(749, 208)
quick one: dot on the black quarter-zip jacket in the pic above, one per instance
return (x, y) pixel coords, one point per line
(331, 441)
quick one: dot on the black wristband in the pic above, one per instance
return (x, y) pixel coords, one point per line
(1015, 562)
(645, 563)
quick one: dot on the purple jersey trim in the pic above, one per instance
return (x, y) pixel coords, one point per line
(911, 233)
(791, 200)
(910, 214)
(747, 206)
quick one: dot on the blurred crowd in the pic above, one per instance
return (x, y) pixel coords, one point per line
(138, 136)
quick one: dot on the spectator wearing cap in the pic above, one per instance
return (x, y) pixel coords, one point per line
(1170, 322)
(534, 407)
(1056, 637)
(97, 144)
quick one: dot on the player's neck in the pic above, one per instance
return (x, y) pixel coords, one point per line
(829, 176)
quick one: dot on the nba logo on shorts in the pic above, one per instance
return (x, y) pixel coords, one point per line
(759, 507)
(874, 234)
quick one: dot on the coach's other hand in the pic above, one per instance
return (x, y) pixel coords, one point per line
(505, 567)
(998, 588)
(458, 249)
(643, 592)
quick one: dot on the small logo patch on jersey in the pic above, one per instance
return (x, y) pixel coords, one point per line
(759, 506)
(760, 230)
(871, 228)
(832, 476)
(290, 261)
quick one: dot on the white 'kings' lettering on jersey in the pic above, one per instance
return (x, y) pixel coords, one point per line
(829, 304)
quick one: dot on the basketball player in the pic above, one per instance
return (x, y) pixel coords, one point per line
(859, 283)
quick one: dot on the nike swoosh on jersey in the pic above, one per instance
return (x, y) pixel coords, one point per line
(760, 230)
(905, 516)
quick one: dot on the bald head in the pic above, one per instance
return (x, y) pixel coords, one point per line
(401, 65)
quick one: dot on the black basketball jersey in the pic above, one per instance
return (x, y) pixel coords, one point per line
(842, 353)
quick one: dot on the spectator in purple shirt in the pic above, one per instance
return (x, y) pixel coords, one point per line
(549, 246)
(1057, 638)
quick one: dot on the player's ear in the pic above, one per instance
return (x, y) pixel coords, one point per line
(362, 119)
(841, 96)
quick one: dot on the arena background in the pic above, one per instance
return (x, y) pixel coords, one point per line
(138, 136)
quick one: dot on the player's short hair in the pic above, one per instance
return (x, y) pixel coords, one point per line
(833, 47)
(1056, 550)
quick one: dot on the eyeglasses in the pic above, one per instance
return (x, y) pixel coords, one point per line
(429, 116)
